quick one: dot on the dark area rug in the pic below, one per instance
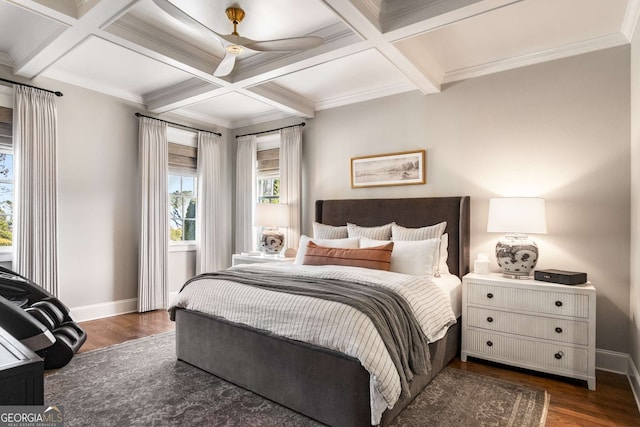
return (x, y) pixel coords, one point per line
(140, 383)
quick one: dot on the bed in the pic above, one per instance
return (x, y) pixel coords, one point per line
(323, 384)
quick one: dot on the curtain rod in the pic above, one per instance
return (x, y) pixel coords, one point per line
(56, 93)
(178, 124)
(272, 130)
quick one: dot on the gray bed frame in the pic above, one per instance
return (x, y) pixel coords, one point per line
(323, 384)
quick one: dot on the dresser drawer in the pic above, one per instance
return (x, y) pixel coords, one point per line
(538, 301)
(548, 328)
(525, 353)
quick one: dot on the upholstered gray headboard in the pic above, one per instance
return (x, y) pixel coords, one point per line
(415, 212)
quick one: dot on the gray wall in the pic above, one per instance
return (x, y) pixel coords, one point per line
(558, 130)
(98, 201)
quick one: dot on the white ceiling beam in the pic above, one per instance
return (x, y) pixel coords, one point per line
(282, 99)
(55, 10)
(99, 16)
(338, 45)
(425, 17)
(168, 99)
(370, 32)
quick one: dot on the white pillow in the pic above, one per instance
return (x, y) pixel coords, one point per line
(399, 232)
(324, 231)
(351, 243)
(444, 254)
(380, 232)
(414, 257)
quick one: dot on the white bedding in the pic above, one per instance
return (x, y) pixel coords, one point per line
(452, 286)
(326, 323)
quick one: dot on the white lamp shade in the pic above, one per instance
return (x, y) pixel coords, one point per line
(271, 215)
(525, 215)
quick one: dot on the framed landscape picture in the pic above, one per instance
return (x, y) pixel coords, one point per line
(405, 168)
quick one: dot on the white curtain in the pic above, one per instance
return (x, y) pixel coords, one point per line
(245, 192)
(291, 180)
(35, 238)
(212, 252)
(154, 225)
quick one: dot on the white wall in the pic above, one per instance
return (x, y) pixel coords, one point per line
(634, 297)
(558, 130)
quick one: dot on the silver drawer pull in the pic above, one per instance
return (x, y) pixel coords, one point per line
(489, 295)
(558, 303)
(559, 330)
(558, 355)
(489, 319)
(489, 343)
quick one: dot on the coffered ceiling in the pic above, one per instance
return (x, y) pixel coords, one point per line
(372, 48)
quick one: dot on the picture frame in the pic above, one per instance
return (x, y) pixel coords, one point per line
(382, 170)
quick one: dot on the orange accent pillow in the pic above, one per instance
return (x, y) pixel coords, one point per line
(377, 257)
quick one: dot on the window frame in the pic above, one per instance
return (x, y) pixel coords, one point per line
(6, 100)
(189, 138)
(267, 142)
(6, 252)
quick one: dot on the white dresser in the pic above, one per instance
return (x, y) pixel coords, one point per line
(530, 324)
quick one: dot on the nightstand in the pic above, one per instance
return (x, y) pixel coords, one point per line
(237, 259)
(542, 326)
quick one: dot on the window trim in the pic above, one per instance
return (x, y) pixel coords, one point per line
(189, 138)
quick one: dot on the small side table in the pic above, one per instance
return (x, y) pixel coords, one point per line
(237, 259)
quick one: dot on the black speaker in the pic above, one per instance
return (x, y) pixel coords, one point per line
(561, 276)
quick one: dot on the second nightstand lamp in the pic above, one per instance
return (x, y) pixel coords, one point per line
(271, 216)
(517, 217)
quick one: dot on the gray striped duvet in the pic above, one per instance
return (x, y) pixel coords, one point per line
(326, 323)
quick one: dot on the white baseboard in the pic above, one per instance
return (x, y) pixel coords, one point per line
(108, 309)
(612, 361)
(105, 309)
(634, 381)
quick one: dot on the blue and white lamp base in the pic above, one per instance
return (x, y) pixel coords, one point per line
(517, 256)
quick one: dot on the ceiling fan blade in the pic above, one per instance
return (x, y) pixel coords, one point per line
(181, 16)
(226, 65)
(284, 45)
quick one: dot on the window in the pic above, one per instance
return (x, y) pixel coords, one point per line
(6, 198)
(183, 187)
(182, 208)
(6, 181)
(268, 169)
(269, 190)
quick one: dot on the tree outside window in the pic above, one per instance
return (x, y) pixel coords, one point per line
(269, 190)
(182, 208)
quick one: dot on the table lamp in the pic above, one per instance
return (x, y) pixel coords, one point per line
(271, 216)
(517, 217)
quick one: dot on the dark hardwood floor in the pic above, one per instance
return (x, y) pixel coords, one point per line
(571, 404)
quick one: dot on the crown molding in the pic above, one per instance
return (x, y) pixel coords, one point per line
(260, 118)
(365, 96)
(203, 118)
(74, 80)
(612, 40)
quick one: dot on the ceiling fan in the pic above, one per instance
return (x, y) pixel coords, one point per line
(234, 43)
